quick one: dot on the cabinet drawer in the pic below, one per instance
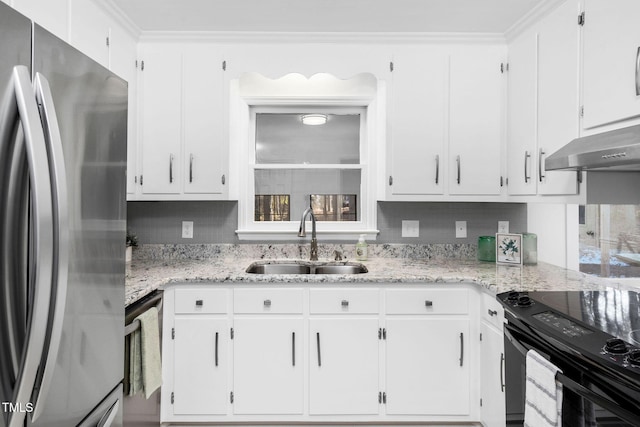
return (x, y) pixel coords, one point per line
(427, 301)
(281, 301)
(331, 301)
(203, 300)
(492, 310)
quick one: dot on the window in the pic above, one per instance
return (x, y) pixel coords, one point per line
(286, 166)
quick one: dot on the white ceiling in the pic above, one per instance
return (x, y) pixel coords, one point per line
(369, 16)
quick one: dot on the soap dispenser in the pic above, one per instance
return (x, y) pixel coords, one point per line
(361, 249)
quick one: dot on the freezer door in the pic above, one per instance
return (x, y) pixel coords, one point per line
(91, 109)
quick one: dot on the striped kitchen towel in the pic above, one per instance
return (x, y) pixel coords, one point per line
(543, 394)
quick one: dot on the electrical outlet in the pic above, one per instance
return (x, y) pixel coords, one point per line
(503, 226)
(410, 228)
(187, 229)
(461, 229)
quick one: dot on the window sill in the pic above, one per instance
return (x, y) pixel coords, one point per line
(330, 235)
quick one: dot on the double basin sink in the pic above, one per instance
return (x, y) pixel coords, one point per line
(302, 267)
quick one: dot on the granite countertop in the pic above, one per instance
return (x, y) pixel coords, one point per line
(158, 265)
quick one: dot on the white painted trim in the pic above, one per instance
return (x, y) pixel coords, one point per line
(321, 37)
(324, 235)
(533, 17)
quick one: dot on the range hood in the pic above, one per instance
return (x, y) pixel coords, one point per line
(617, 150)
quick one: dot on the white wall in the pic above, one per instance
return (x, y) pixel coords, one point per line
(557, 228)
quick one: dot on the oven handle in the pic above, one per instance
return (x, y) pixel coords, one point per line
(577, 387)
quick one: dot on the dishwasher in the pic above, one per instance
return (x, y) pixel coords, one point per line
(138, 411)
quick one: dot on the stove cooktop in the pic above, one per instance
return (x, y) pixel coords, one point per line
(603, 326)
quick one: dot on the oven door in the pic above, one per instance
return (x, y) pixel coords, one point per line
(584, 401)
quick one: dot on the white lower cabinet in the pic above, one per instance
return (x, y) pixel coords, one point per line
(267, 378)
(200, 365)
(426, 370)
(401, 353)
(343, 366)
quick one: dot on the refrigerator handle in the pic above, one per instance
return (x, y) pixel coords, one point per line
(53, 141)
(41, 205)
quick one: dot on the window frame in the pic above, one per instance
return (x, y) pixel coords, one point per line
(370, 132)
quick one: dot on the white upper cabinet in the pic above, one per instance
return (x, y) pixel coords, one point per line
(521, 117)
(475, 121)
(52, 15)
(417, 125)
(184, 153)
(204, 148)
(89, 30)
(543, 110)
(611, 47)
(558, 112)
(161, 94)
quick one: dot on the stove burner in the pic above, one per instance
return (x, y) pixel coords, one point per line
(513, 296)
(524, 301)
(617, 346)
(634, 358)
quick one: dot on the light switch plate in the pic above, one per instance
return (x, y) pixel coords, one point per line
(503, 226)
(187, 229)
(410, 228)
(461, 229)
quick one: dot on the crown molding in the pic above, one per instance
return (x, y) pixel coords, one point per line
(319, 37)
(531, 18)
(113, 10)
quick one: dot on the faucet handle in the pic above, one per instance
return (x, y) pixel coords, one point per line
(338, 255)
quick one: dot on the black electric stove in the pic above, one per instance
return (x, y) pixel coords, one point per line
(593, 336)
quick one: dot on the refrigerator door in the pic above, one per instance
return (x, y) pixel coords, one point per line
(91, 109)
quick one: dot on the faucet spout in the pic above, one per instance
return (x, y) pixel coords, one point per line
(302, 232)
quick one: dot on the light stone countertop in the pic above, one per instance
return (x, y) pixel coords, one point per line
(158, 265)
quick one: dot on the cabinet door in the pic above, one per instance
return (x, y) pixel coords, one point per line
(161, 115)
(611, 39)
(427, 366)
(203, 120)
(418, 122)
(343, 366)
(492, 376)
(90, 30)
(521, 120)
(268, 365)
(475, 122)
(52, 15)
(200, 365)
(558, 118)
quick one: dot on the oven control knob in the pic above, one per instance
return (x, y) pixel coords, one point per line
(524, 301)
(616, 346)
(634, 358)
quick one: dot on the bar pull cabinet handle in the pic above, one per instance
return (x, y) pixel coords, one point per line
(540, 154)
(461, 348)
(267, 303)
(223, 179)
(190, 168)
(458, 167)
(502, 372)
(638, 72)
(216, 349)
(437, 168)
(345, 303)
(293, 349)
(170, 168)
(199, 303)
(527, 156)
(492, 312)
(318, 347)
(428, 303)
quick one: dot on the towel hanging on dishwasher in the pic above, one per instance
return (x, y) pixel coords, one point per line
(145, 367)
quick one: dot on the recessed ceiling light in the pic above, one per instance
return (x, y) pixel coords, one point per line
(314, 119)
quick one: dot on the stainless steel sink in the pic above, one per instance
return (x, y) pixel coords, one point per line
(310, 268)
(279, 269)
(341, 269)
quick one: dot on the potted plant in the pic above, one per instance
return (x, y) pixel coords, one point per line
(132, 241)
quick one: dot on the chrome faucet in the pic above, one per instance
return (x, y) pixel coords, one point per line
(302, 232)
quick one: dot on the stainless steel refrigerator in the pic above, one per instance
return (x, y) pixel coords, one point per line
(63, 131)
